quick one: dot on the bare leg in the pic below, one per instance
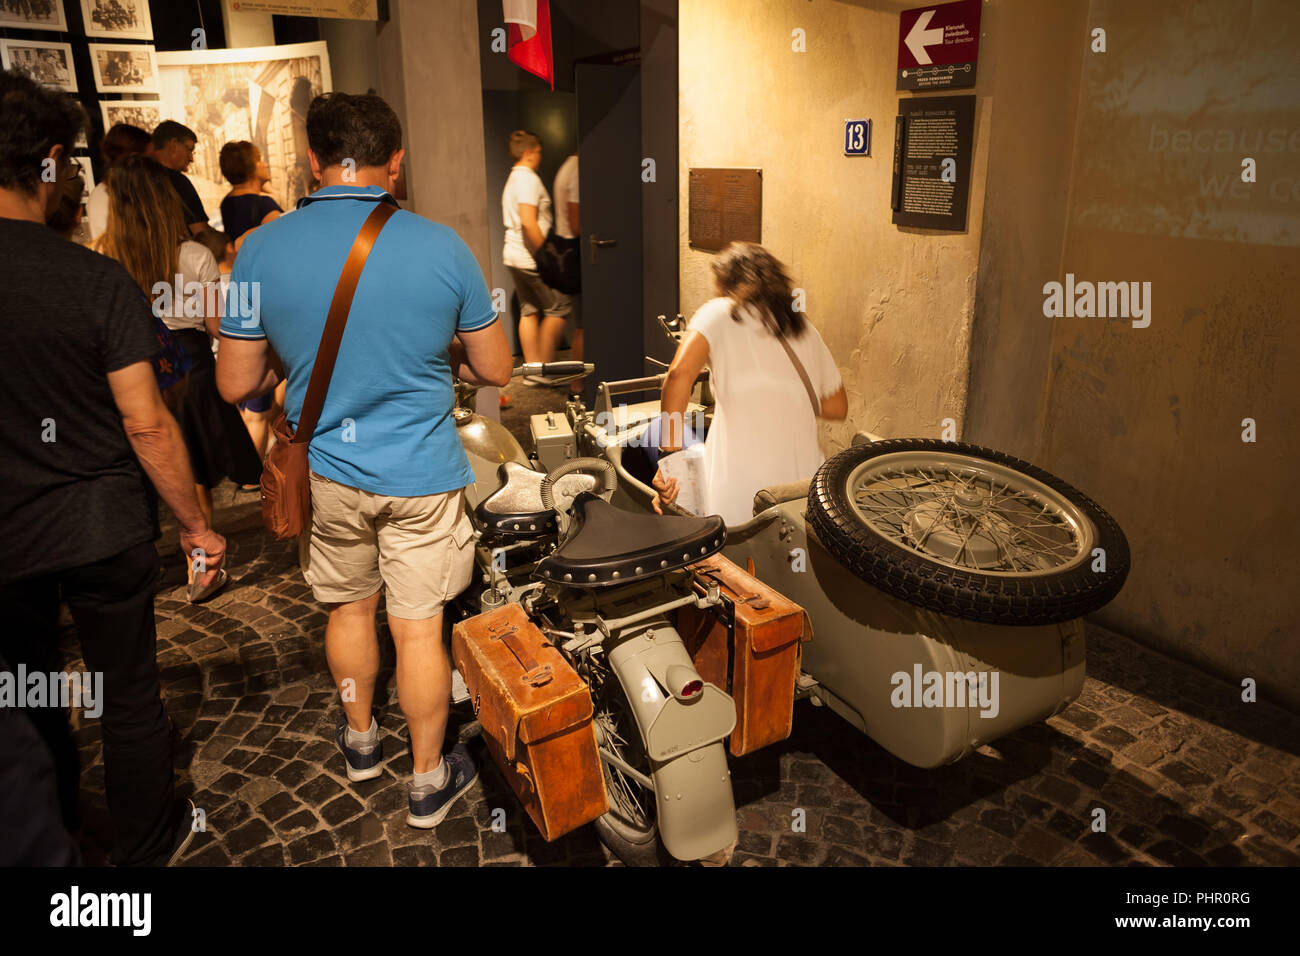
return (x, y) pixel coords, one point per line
(423, 686)
(551, 335)
(528, 337)
(352, 650)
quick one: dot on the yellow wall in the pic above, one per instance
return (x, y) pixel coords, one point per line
(894, 305)
(1072, 174)
(1149, 420)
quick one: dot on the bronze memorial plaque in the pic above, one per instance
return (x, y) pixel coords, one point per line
(726, 205)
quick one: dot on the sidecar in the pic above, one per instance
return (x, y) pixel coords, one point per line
(932, 649)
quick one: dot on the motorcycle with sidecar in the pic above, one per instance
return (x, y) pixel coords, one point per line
(944, 584)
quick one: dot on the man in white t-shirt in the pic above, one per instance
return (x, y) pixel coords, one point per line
(567, 226)
(526, 209)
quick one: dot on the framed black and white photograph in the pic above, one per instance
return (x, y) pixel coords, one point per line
(47, 63)
(87, 175)
(33, 15)
(142, 113)
(124, 69)
(118, 19)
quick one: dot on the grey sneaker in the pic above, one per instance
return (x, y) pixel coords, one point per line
(427, 807)
(361, 764)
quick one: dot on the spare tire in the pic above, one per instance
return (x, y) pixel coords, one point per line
(967, 531)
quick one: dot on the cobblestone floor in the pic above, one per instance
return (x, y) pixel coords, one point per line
(1186, 772)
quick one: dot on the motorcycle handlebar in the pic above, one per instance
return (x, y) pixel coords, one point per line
(554, 369)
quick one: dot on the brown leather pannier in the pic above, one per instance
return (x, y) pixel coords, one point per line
(750, 647)
(536, 716)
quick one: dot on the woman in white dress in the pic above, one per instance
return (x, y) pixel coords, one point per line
(764, 429)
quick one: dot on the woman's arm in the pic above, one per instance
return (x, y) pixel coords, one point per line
(692, 355)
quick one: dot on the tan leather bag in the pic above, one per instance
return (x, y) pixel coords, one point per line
(286, 475)
(536, 714)
(750, 647)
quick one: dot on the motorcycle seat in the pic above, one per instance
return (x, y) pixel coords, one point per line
(515, 509)
(607, 546)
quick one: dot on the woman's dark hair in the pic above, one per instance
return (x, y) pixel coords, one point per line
(750, 275)
(361, 128)
(146, 221)
(33, 120)
(122, 139)
(238, 161)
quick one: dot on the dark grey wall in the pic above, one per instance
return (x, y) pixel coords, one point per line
(659, 280)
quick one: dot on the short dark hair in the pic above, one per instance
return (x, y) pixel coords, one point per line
(122, 139)
(521, 141)
(169, 130)
(33, 120)
(238, 161)
(361, 128)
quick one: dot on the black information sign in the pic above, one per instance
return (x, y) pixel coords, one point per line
(932, 160)
(725, 205)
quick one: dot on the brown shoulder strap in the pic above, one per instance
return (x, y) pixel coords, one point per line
(337, 319)
(803, 376)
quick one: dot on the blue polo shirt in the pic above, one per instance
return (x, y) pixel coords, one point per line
(386, 425)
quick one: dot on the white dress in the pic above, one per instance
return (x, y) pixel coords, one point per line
(764, 430)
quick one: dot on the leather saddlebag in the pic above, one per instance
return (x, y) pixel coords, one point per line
(750, 646)
(536, 716)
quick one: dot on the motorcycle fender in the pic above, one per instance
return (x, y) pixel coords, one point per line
(696, 807)
(695, 804)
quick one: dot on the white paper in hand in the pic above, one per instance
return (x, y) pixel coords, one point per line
(687, 466)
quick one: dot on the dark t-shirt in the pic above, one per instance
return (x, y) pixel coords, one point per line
(241, 213)
(194, 211)
(73, 492)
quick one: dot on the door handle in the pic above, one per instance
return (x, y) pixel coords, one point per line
(600, 244)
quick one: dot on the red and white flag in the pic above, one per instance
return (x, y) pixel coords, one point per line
(528, 37)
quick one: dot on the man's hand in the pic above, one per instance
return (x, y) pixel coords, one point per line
(667, 491)
(213, 547)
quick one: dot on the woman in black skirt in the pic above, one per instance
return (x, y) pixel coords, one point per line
(146, 233)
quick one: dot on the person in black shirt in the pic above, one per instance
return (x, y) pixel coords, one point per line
(82, 422)
(173, 146)
(246, 206)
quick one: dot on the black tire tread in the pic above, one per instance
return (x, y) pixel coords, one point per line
(988, 598)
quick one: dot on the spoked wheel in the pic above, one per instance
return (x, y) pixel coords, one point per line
(629, 828)
(967, 531)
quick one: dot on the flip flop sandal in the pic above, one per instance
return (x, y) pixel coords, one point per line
(199, 593)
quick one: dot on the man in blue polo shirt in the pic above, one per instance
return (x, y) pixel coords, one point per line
(388, 468)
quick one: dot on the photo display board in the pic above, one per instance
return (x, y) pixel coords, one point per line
(726, 205)
(932, 160)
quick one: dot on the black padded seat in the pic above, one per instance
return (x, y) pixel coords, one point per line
(516, 510)
(607, 545)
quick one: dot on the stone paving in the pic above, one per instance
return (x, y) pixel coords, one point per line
(1186, 772)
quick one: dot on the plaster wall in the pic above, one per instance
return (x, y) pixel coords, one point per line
(894, 305)
(1150, 420)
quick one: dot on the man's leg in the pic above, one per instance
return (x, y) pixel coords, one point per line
(343, 571)
(528, 337)
(423, 685)
(112, 603)
(352, 650)
(551, 335)
(30, 610)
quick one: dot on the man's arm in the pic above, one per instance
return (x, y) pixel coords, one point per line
(156, 439)
(574, 226)
(481, 357)
(835, 407)
(533, 237)
(245, 369)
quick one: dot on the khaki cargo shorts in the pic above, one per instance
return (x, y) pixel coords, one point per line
(420, 549)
